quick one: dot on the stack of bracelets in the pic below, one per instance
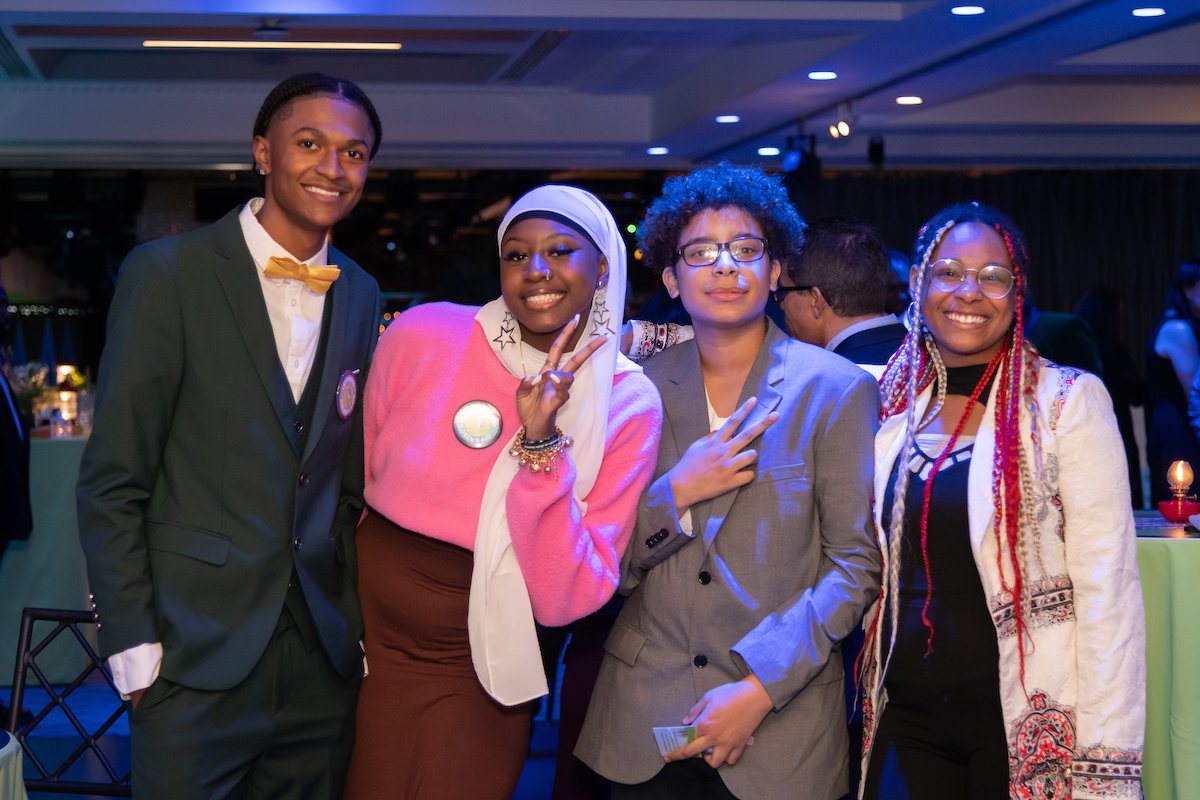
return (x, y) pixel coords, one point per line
(650, 338)
(539, 454)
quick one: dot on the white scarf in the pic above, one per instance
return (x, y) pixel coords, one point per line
(504, 645)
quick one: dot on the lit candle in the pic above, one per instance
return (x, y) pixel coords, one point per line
(1179, 478)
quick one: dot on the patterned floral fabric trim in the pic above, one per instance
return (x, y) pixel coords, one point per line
(1052, 600)
(1066, 377)
(1041, 747)
(1101, 771)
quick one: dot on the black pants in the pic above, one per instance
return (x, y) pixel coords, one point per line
(690, 779)
(940, 746)
(285, 731)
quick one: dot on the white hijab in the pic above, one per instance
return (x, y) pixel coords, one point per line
(504, 646)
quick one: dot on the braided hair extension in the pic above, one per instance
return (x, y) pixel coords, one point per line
(910, 371)
(307, 84)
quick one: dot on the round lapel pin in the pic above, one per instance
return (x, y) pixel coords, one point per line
(347, 393)
(477, 424)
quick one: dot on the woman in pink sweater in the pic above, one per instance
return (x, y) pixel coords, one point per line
(506, 449)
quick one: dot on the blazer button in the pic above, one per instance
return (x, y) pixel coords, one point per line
(296, 543)
(705, 578)
(700, 661)
(654, 540)
(299, 426)
(304, 479)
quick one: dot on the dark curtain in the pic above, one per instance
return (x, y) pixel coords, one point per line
(1126, 230)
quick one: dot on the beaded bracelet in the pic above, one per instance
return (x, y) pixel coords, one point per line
(540, 454)
(650, 338)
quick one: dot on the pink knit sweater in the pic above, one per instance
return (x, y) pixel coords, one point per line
(430, 361)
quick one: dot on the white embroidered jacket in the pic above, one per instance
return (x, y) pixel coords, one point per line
(1075, 729)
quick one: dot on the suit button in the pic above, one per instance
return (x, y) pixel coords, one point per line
(296, 543)
(299, 426)
(700, 661)
(304, 479)
(705, 578)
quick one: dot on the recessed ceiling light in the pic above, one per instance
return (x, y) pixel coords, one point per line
(728, 119)
(909, 100)
(1149, 12)
(768, 151)
(657, 151)
(821, 75)
(967, 11)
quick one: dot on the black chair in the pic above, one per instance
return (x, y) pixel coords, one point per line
(88, 752)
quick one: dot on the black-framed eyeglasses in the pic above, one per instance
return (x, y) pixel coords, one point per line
(742, 249)
(782, 291)
(995, 281)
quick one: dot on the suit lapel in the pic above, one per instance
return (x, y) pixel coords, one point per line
(238, 278)
(686, 406)
(337, 302)
(765, 382)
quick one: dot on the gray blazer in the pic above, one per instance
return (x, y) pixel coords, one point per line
(198, 496)
(777, 573)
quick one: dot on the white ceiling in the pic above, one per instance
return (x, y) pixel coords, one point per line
(590, 84)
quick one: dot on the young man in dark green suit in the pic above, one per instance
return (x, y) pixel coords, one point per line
(222, 483)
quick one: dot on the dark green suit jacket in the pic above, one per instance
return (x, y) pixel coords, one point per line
(197, 502)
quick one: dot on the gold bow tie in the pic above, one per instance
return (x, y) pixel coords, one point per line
(317, 279)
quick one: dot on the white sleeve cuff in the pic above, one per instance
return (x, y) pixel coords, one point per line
(685, 523)
(135, 668)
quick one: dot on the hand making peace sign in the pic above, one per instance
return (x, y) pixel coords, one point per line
(541, 395)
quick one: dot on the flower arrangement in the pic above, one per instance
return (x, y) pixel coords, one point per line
(29, 384)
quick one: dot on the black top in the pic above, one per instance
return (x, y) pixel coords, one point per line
(964, 641)
(964, 648)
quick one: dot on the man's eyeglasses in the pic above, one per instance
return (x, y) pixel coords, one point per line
(782, 291)
(994, 281)
(705, 254)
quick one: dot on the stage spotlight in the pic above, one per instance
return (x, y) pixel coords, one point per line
(791, 156)
(844, 122)
(800, 158)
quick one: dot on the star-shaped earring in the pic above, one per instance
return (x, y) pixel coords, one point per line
(507, 329)
(601, 318)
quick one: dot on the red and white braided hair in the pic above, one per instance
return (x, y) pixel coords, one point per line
(910, 371)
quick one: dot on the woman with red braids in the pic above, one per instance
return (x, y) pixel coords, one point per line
(1005, 658)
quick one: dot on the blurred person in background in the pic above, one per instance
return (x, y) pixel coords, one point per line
(1102, 309)
(1172, 363)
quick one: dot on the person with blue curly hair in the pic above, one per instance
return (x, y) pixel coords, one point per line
(751, 557)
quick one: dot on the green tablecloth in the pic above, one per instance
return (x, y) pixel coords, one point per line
(47, 571)
(1170, 570)
(12, 784)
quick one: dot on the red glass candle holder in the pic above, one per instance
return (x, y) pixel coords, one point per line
(1178, 510)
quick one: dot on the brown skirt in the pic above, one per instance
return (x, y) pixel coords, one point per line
(425, 726)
